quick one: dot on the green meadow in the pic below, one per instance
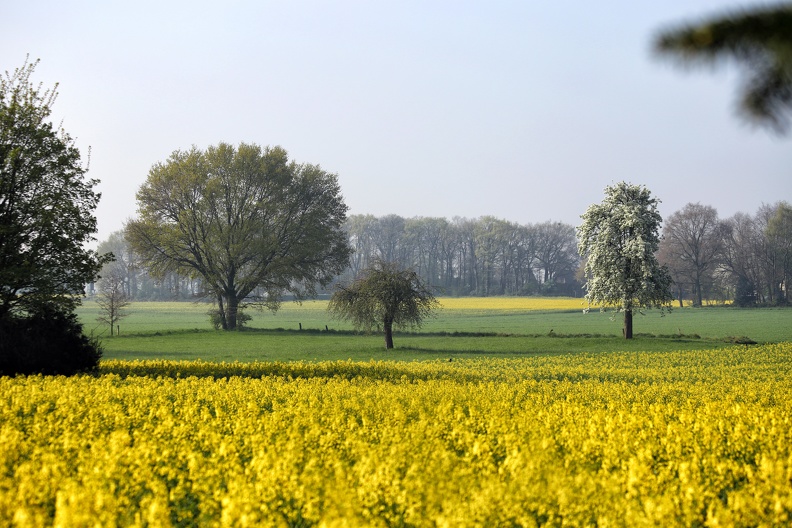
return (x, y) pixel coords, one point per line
(306, 332)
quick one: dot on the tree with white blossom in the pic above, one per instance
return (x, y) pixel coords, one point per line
(619, 239)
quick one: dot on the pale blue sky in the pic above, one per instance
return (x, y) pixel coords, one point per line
(520, 110)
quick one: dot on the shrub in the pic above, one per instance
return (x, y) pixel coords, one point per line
(215, 317)
(48, 341)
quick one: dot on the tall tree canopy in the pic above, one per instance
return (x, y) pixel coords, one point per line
(249, 222)
(46, 204)
(760, 40)
(384, 294)
(618, 240)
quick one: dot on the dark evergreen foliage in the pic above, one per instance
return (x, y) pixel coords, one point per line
(49, 341)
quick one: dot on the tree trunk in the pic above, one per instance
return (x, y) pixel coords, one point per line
(628, 324)
(699, 298)
(222, 313)
(232, 308)
(388, 334)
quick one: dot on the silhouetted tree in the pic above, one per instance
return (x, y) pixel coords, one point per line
(46, 204)
(48, 341)
(46, 219)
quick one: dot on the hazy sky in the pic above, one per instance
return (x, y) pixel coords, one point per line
(521, 110)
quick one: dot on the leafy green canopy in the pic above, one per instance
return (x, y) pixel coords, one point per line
(619, 239)
(46, 204)
(382, 296)
(247, 221)
(760, 40)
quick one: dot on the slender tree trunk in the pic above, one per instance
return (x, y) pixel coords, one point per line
(628, 326)
(388, 334)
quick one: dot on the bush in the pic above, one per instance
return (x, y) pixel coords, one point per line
(217, 322)
(46, 342)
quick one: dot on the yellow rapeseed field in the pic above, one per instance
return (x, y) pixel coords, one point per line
(520, 304)
(623, 439)
(512, 303)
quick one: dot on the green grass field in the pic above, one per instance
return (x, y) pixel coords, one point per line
(181, 330)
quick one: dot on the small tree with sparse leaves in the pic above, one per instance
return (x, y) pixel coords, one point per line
(619, 239)
(384, 295)
(112, 298)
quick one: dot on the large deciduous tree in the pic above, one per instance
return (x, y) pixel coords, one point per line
(759, 39)
(692, 244)
(769, 218)
(618, 240)
(46, 204)
(743, 246)
(384, 295)
(252, 224)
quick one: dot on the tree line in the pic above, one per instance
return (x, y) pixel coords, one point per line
(746, 258)
(481, 257)
(486, 256)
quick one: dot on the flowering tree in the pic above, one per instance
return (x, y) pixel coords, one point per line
(618, 240)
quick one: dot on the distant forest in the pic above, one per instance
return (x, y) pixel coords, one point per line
(746, 259)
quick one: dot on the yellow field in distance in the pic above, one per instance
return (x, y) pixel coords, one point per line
(512, 303)
(516, 304)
